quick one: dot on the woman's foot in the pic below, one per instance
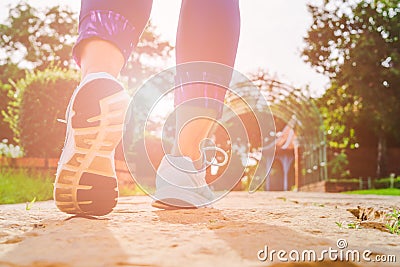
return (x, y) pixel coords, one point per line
(86, 179)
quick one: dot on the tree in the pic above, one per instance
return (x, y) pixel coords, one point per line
(337, 106)
(356, 43)
(32, 39)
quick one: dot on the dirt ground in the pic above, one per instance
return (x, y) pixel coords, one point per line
(232, 233)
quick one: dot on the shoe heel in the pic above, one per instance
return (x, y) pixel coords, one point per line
(95, 195)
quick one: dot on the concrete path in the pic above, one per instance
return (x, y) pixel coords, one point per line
(233, 233)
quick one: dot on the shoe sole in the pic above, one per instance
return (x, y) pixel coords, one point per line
(87, 181)
(173, 197)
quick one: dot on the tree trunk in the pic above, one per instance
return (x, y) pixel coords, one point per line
(381, 170)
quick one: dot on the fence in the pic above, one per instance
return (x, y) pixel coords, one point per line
(337, 186)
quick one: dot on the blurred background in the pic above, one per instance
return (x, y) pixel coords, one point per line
(329, 69)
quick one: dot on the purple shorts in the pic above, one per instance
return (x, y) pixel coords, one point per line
(109, 26)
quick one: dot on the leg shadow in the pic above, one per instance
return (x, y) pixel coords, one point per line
(75, 241)
(246, 238)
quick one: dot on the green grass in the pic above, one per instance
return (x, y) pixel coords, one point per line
(19, 186)
(385, 192)
(130, 190)
(393, 224)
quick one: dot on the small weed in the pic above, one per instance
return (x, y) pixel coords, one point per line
(30, 204)
(348, 225)
(353, 225)
(393, 224)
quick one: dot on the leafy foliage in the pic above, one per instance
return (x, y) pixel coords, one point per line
(337, 166)
(356, 43)
(37, 101)
(338, 106)
(393, 224)
(5, 131)
(41, 36)
(32, 38)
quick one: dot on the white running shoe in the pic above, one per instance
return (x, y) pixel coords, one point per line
(180, 185)
(86, 179)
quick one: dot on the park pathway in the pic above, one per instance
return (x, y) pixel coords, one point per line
(230, 234)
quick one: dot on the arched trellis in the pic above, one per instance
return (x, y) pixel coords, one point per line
(297, 110)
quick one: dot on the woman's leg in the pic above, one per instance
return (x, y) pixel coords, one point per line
(98, 55)
(208, 30)
(108, 32)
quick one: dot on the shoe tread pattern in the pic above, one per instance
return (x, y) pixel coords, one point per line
(87, 183)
